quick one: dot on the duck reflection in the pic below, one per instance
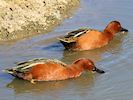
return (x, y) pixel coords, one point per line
(20, 86)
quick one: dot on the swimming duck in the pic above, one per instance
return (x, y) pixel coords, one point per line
(88, 39)
(50, 69)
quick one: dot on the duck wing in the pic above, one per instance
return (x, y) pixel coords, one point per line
(72, 36)
(23, 67)
(69, 40)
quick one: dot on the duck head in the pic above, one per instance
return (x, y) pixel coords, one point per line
(115, 27)
(88, 64)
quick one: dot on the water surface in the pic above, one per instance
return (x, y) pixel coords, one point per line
(115, 58)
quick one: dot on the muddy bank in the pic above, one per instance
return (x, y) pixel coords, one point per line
(23, 18)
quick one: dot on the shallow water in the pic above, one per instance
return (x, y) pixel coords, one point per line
(115, 58)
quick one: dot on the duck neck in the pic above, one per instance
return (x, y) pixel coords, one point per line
(108, 34)
(75, 70)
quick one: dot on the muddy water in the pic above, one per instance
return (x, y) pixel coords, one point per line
(116, 58)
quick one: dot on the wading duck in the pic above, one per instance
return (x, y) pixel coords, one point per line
(50, 70)
(87, 39)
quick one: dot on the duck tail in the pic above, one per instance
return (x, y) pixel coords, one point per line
(67, 45)
(13, 73)
(9, 71)
(18, 74)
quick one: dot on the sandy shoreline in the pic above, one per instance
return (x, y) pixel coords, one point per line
(24, 18)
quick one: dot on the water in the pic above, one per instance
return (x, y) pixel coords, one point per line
(115, 58)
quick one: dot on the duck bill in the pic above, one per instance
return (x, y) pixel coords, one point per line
(98, 70)
(124, 30)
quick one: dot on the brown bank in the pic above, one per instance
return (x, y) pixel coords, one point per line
(23, 18)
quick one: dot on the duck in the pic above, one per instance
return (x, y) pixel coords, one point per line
(42, 69)
(89, 39)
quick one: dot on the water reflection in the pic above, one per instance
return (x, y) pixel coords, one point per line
(20, 86)
(54, 47)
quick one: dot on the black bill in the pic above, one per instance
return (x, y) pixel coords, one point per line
(98, 70)
(124, 30)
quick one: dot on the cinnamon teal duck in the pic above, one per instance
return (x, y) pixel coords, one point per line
(88, 39)
(51, 70)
